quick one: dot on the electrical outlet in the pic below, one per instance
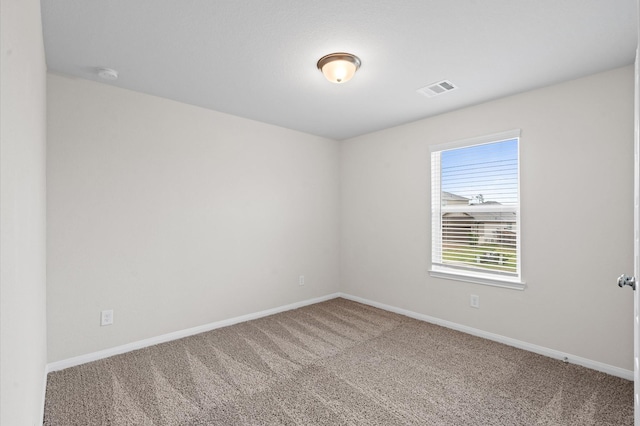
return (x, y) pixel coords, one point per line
(301, 280)
(475, 301)
(106, 317)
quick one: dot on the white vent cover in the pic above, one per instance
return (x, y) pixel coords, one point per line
(436, 89)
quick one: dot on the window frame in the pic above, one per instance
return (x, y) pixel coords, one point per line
(437, 269)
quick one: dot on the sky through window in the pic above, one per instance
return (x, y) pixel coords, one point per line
(488, 172)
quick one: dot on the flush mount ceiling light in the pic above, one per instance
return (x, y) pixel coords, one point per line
(339, 67)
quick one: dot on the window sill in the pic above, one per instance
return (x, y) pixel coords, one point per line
(478, 278)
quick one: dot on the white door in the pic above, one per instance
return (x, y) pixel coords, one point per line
(624, 280)
(636, 245)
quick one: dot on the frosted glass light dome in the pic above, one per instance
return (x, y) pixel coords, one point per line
(339, 67)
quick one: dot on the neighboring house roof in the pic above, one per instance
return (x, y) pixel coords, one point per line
(448, 196)
(448, 199)
(478, 216)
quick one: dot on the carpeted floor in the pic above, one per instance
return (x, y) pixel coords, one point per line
(335, 363)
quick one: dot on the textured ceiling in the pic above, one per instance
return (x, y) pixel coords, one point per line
(257, 58)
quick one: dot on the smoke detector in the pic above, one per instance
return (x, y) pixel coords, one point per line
(436, 89)
(107, 73)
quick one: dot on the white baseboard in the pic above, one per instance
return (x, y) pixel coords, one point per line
(551, 353)
(95, 356)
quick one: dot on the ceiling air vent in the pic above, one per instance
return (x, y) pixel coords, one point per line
(436, 89)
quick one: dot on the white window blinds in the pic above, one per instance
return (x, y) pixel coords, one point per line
(476, 208)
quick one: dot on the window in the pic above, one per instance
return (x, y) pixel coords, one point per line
(475, 210)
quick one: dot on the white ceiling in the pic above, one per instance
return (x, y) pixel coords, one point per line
(257, 58)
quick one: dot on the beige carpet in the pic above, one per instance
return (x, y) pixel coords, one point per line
(335, 363)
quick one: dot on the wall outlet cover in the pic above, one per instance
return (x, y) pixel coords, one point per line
(106, 317)
(475, 301)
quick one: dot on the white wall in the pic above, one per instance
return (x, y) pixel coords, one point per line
(22, 213)
(176, 216)
(577, 218)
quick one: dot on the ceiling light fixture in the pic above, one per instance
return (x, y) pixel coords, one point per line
(339, 67)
